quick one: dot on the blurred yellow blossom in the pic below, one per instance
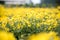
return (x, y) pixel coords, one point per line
(6, 36)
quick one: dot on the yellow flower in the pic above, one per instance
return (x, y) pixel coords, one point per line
(44, 36)
(58, 15)
(6, 36)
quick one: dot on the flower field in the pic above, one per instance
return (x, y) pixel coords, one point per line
(29, 23)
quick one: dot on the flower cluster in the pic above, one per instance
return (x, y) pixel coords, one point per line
(26, 21)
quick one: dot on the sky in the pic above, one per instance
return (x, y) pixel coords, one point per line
(36, 1)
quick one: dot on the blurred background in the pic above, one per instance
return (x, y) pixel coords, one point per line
(31, 3)
(29, 19)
